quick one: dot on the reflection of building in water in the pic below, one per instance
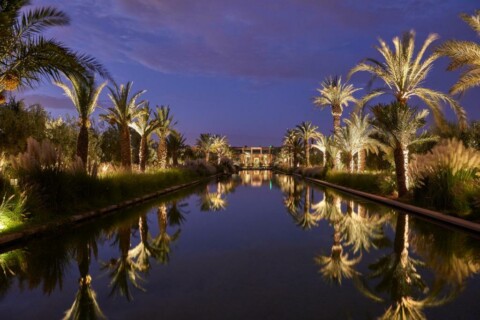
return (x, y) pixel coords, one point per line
(255, 178)
(254, 157)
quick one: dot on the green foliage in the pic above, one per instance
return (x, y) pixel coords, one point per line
(18, 122)
(378, 183)
(63, 133)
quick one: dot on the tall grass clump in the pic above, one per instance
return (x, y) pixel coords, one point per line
(448, 178)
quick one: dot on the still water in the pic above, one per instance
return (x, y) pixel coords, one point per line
(256, 246)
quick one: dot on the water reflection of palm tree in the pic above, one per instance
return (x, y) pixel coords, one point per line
(292, 200)
(142, 252)
(360, 229)
(212, 201)
(176, 213)
(338, 264)
(400, 279)
(85, 305)
(450, 254)
(163, 241)
(307, 219)
(124, 269)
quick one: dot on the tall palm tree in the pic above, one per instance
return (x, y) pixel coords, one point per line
(176, 146)
(144, 126)
(84, 96)
(124, 111)
(464, 54)
(404, 75)
(164, 129)
(396, 126)
(206, 145)
(336, 95)
(306, 131)
(363, 131)
(26, 56)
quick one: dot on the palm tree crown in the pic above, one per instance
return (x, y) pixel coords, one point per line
(404, 74)
(464, 54)
(26, 55)
(336, 95)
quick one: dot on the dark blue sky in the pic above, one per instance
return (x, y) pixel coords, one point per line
(247, 69)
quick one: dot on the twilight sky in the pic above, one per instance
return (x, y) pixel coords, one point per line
(247, 69)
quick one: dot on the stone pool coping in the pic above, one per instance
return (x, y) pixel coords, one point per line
(35, 231)
(421, 212)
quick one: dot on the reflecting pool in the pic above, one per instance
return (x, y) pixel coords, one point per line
(258, 245)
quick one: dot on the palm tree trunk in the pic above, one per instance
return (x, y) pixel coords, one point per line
(352, 163)
(400, 171)
(336, 129)
(361, 160)
(162, 152)
(82, 144)
(142, 155)
(307, 154)
(324, 159)
(405, 159)
(207, 156)
(175, 158)
(125, 149)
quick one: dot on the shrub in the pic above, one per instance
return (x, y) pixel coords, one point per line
(447, 177)
(378, 183)
(200, 167)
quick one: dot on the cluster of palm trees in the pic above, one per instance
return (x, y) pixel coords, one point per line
(209, 144)
(393, 128)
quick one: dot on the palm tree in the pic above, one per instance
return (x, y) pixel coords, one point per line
(144, 126)
(321, 143)
(176, 146)
(206, 145)
(26, 56)
(347, 140)
(164, 129)
(396, 126)
(124, 111)
(306, 131)
(336, 95)
(220, 145)
(464, 54)
(84, 96)
(363, 130)
(292, 142)
(404, 75)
